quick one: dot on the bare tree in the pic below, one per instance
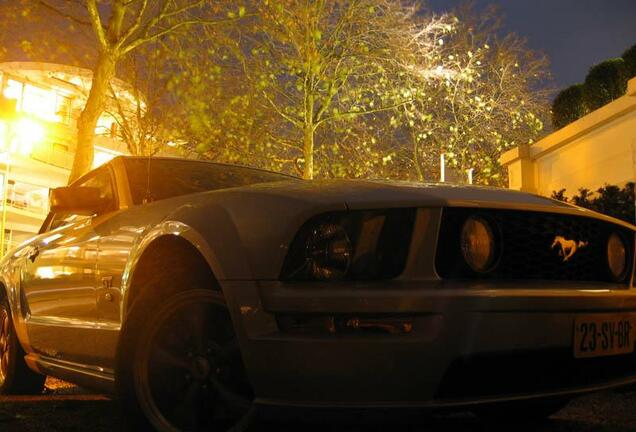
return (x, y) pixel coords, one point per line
(140, 106)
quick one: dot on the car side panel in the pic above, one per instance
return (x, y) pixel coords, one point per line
(57, 283)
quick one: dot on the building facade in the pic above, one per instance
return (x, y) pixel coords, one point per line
(41, 104)
(597, 149)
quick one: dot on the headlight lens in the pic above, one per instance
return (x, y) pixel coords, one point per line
(617, 256)
(328, 252)
(478, 244)
(354, 245)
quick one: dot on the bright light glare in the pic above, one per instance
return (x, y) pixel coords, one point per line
(102, 156)
(3, 135)
(27, 134)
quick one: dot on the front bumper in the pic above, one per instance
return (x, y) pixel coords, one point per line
(471, 343)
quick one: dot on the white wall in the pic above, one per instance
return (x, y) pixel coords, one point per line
(602, 156)
(595, 150)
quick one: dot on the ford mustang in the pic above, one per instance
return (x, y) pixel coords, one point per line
(202, 293)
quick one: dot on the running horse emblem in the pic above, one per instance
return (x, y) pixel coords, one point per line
(567, 248)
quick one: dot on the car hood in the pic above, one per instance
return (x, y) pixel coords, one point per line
(359, 194)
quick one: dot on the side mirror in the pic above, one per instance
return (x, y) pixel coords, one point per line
(77, 200)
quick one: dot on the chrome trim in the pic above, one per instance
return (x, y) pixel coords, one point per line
(72, 322)
(92, 377)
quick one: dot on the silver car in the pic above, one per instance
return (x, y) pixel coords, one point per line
(204, 293)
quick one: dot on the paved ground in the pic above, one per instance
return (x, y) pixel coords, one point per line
(68, 409)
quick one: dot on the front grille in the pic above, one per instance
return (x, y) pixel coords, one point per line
(526, 251)
(519, 372)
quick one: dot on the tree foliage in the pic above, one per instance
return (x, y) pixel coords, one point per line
(568, 106)
(605, 82)
(326, 88)
(490, 100)
(629, 57)
(315, 69)
(142, 122)
(364, 89)
(611, 200)
(115, 29)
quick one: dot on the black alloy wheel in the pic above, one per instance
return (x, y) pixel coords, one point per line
(188, 372)
(15, 375)
(5, 349)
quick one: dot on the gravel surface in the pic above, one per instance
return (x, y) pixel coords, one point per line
(67, 408)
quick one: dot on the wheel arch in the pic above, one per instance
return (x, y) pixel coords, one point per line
(163, 257)
(167, 256)
(169, 239)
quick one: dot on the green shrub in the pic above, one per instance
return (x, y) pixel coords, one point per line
(568, 106)
(611, 200)
(629, 57)
(605, 82)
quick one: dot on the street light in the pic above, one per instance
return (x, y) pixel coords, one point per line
(17, 135)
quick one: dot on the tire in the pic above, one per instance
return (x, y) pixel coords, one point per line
(522, 411)
(187, 372)
(15, 376)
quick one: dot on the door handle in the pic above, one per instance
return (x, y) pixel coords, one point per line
(33, 253)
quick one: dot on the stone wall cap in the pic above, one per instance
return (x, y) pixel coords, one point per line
(631, 87)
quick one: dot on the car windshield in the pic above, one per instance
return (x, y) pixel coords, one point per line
(153, 179)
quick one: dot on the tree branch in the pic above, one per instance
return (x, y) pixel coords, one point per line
(295, 122)
(64, 14)
(361, 113)
(142, 40)
(135, 25)
(96, 23)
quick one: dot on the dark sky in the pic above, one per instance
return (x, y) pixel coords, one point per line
(575, 34)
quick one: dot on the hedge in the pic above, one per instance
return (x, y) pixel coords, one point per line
(568, 106)
(605, 82)
(611, 200)
(629, 57)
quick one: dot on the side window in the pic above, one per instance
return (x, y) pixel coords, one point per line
(100, 179)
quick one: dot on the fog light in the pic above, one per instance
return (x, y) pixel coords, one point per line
(617, 256)
(478, 244)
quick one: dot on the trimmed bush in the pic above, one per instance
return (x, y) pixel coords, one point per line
(629, 57)
(610, 200)
(605, 82)
(568, 106)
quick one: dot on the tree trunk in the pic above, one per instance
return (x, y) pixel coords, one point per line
(308, 150)
(104, 73)
(416, 157)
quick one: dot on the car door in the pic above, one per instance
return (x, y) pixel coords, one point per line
(59, 281)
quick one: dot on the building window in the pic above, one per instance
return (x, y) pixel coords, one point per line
(40, 102)
(13, 90)
(63, 107)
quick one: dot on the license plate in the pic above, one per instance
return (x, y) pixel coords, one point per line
(604, 334)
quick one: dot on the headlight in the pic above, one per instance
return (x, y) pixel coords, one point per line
(617, 256)
(478, 244)
(366, 244)
(328, 252)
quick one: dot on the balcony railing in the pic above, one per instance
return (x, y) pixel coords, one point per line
(52, 156)
(25, 205)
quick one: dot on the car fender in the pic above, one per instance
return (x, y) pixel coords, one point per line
(208, 232)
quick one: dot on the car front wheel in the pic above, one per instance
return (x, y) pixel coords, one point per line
(188, 372)
(15, 375)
